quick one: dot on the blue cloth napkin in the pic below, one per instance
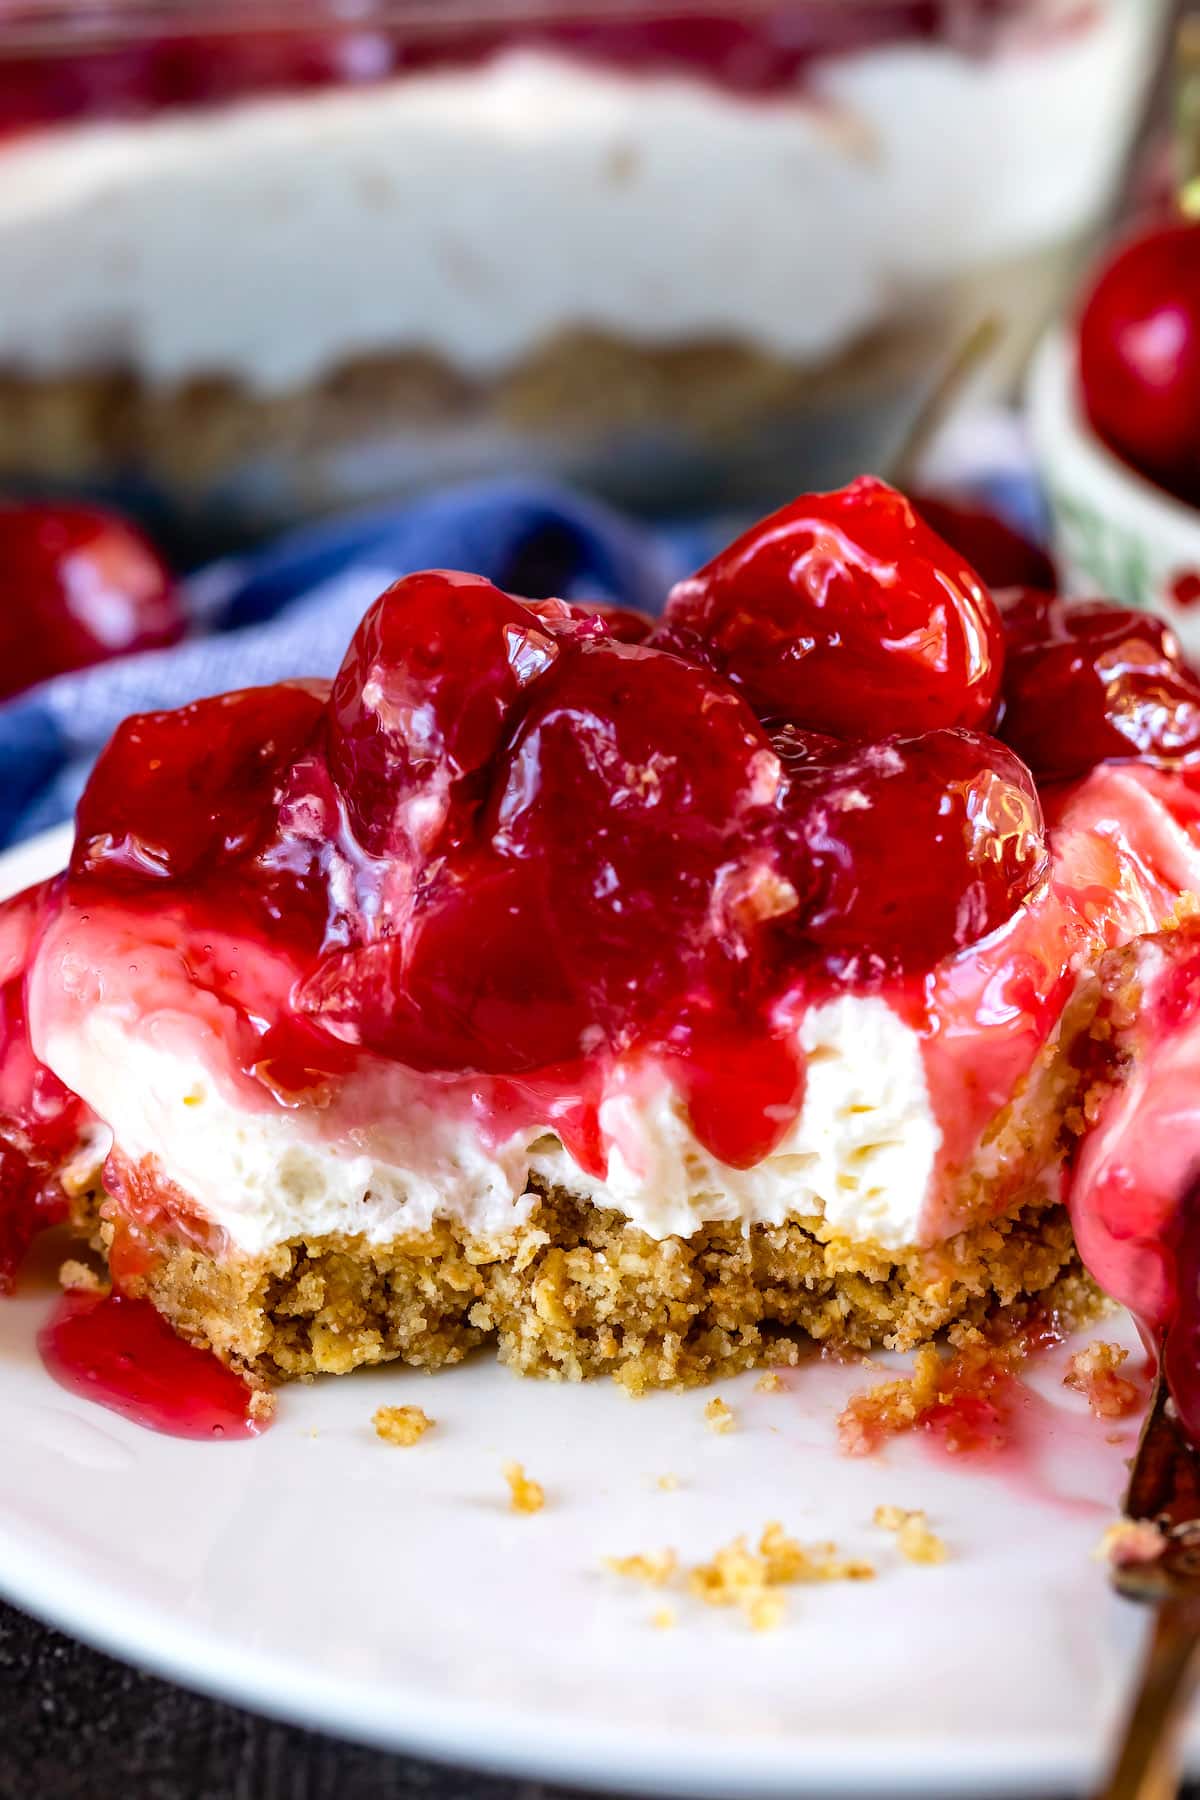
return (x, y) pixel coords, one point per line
(292, 609)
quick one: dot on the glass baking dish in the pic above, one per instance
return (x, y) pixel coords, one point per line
(260, 260)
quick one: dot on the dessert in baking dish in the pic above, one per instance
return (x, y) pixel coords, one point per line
(279, 259)
(646, 998)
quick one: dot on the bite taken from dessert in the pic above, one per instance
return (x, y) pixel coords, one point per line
(642, 997)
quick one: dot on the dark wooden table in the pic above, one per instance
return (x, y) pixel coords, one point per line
(75, 1725)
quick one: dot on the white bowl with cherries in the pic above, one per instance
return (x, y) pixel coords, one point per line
(1114, 412)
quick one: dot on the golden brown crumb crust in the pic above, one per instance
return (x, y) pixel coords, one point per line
(81, 425)
(578, 1291)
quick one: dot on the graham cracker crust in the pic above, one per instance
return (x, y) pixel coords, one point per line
(578, 384)
(578, 1292)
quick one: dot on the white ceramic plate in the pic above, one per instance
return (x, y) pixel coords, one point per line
(391, 1594)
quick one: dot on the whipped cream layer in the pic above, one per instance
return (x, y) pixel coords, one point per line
(389, 1154)
(475, 214)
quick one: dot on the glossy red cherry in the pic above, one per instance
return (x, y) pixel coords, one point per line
(912, 848)
(176, 793)
(1087, 681)
(433, 678)
(77, 586)
(614, 878)
(635, 782)
(474, 981)
(1002, 556)
(1139, 357)
(844, 613)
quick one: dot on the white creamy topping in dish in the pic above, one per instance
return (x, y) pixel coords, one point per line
(477, 213)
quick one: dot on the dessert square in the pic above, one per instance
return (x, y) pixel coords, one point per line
(633, 997)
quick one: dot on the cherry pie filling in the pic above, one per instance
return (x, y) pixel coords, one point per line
(759, 50)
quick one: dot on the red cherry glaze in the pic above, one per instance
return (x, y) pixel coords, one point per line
(1135, 1195)
(638, 783)
(40, 1121)
(123, 1355)
(1086, 681)
(77, 586)
(572, 619)
(430, 684)
(844, 613)
(998, 553)
(907, 850)
(474, 983)
(1139, 357)
(177, 793)
(620, 814)
(764, 51)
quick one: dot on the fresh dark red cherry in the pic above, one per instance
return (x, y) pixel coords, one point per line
(912, 848)
(1002, 556)
(176, 793)
(77, 586)
(1139, 357)
(432, 681)
(1086, 681)
(846, 614)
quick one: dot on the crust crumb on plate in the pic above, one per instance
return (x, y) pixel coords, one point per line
(654, 1567)
(914, 1540)
(401, 1424)
(749, 1579)
(721, 1418)
(663, 1619)
(770, 1383)
(965, 1391)
(739, 1576)
(764, 1612)
(1094, 1373)
(262, 1405)
(526, 1496)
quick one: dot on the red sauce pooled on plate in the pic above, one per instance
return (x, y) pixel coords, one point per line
(123, 1355)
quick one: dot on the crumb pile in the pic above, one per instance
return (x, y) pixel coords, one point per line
(749, 1579)
(1095, 1373)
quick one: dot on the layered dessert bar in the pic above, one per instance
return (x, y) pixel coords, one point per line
(644, 998)
(277, 258)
